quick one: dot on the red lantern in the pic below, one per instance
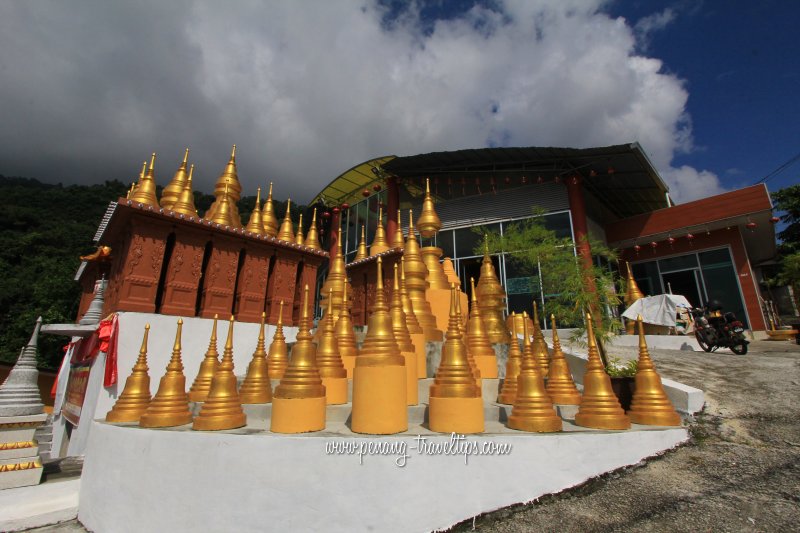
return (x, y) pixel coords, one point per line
(653, 246)
(539, 179)
(345, 206)
(507, 180)
(326, 214)
(335, 210)
(751, 226)
(593, 173)
(775, 220)
(365, 193)
(557, 179)
(376, 187)
(690, 238)
(611, 170)
(637, 248)
(670, 241)
(524, 180)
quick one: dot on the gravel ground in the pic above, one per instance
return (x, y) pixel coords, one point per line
(739, 472)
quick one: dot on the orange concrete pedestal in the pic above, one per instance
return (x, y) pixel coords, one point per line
(440, 305)
(418, 340)
(349, 362)
(412, 384)
(379, 400)
(335, 390)
(459, 415)
(297, 415)
(487, 364)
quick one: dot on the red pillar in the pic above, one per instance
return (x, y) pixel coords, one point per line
(392, 205)
(577, 208)
(336, 224)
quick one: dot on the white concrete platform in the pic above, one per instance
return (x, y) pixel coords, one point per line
(41, 505)
(179, 480)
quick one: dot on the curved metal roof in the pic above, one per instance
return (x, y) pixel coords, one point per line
(347, 187)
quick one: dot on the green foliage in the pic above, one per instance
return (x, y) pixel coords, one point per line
(533, 247)
(616, 368)
(787, 202)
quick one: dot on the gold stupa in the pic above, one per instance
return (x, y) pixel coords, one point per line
(379, 242)
(436, 277)
(632, 293)
(224, 213)
(184, 204)
(413, 325)
(329, 361)
(229, 180)
(175, 187)
(455, 403)
(519, 320)
(450, 272)
(334, 283)
(599, 406)
(222, 408)
(135, 397)
(170, 406)
(145, 191)
(379, 378)
(428, 222)
(298, 403)
(650, 404)
(312, 237)
(397, 240)
(508, 392)
(278, 357)
(361, 253)
(478, 342)
(299, 238)
(560, 386)
(141, 177)
(404, 341)
(462, 329)
(209, 365)
(268, 219)
(490, 299)
(345, 335)
(256, 224)
(533, 410)
(256, 387)
(416, 274)
(286, 232)
(539, 344)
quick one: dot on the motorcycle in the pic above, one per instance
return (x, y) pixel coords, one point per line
(713, 330)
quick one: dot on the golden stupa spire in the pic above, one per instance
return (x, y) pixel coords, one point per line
(404, 342)
(298, 403)
(268, 216)
(398, 241)
(135, 397)
(222, 408)
(256, 224)
(256, 387)
(209, 364)
(141, 177)
(329, 361)
(560, 386)
(476, 372)
(335, 280)
(539, 344)
(508, 393)
(170, 406)
(380, 344)
(362, 245)
(478, 342)
(455, 403)
(286, 233)
(299, 239)
(224, 214)
(184, 205)
(379, 242)
(345, 335)
(533, 410)
(428, 222)
(650, 404)
(490, 298)
(145, 191)
(228, 178)
(408, 309)
(312, 237)
(416, 274)
(600, 407)
(278, 358)
(173, 190)
(632, 293)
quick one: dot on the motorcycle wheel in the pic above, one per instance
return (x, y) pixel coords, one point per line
(702, 342)
(739, 349)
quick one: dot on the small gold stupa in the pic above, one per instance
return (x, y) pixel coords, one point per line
(202, 383)
(345, 335)
(135, 397)
(312, 237)
(404, 342)
(397, 240)
(455, 403)
(416, 275)
(170, 406)
(145, 191)
(255, 224)
(632, 294)
(278, 357)
(299, 238)
(184, 204)
(256, 387)
(227, 185)
(224, 213)
(508, 392)
(477, 341)
(362, 253)
(428, 222)
(539, 344)
(490, 299)
(560, 386)
(379, 242)
(270, 223)
(329, 361)
(286, 232)
(413, 325)
(650, 404)
(175, 187)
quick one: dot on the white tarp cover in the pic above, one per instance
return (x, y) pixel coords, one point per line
(660, 310)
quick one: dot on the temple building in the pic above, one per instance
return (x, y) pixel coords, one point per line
(708, 249)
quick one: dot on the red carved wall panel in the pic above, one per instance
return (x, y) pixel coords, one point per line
(183, 272)
(252, 284)
(281, 286)
(220, 278)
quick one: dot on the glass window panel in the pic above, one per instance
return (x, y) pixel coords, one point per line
(647, 278)
(721, 282)
(522, 286)
(560, 224)
(678, 263)
(467, 240)
(444, 240)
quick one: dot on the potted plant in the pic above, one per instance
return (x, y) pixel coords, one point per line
(622, 379)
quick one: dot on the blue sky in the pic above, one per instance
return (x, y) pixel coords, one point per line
(309, 89)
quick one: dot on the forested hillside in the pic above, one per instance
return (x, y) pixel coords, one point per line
(44, 229)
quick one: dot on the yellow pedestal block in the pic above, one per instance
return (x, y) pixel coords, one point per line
(487, 365)
(297, 415)
(349, 362)
(335, 390)
(412, 387)
(379, 400)
(459, 415)
(418, 340)
(440, 306)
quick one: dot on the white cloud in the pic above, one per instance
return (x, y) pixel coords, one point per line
(308, 90)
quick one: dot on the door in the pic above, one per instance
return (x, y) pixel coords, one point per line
(684, 282)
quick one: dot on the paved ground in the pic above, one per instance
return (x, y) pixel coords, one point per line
(740, 472)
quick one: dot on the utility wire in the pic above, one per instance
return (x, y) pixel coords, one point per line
(780, 169)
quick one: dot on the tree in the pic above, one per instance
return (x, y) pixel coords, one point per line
(787, 202)
(535, 248)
